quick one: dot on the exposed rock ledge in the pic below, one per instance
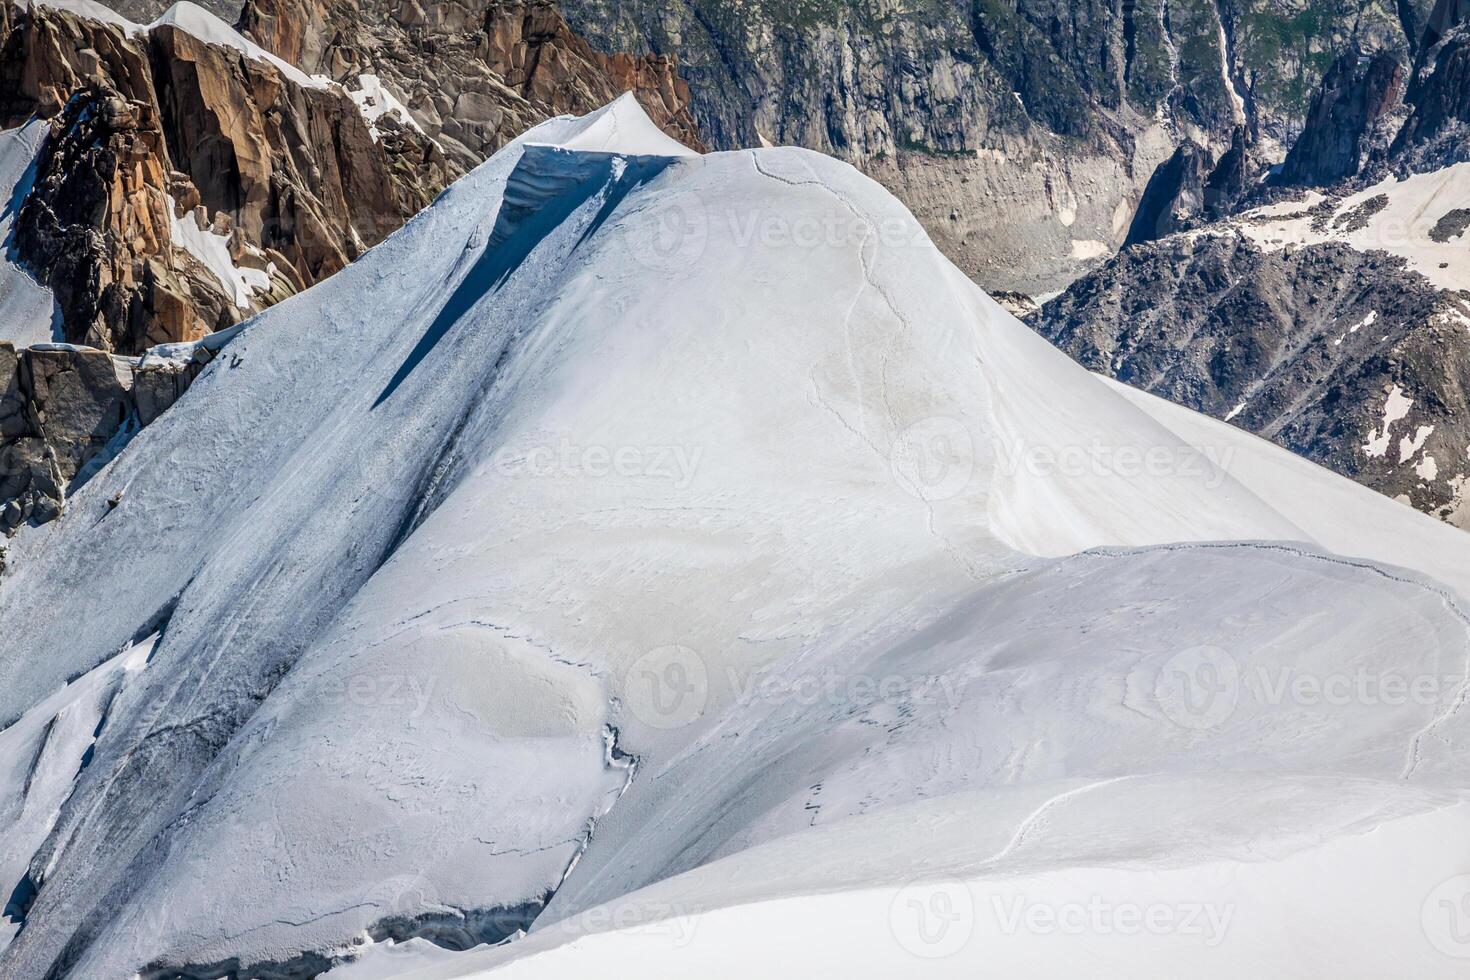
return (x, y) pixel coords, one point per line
(64, 411)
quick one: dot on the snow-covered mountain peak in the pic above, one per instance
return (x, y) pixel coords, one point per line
(488, 582)
(621, 126)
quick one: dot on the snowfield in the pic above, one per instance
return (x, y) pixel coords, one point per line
(28, 311)
(1421, 218)
(672, 565)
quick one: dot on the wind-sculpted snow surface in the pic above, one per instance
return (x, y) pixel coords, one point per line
(642, 527)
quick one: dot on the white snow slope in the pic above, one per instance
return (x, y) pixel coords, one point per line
(683, 545)
(28, 311)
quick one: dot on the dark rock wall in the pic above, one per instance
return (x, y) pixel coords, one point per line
(62, 410)
(1301, 346)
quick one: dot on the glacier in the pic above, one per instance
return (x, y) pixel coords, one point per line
(670, 563)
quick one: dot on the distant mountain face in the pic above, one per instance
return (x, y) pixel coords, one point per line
(1342, 355)
(1021, 133)
(1335, 321)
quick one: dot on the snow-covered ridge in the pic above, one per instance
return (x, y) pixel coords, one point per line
(191, 19)
(621, 126)
(644, 527)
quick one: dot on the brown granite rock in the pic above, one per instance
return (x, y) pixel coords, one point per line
(291, 173)
(475, 75)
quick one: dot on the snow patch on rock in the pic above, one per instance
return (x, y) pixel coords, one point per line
(376, 101)
(1395, 409)
(213, 250)
(1401, 224)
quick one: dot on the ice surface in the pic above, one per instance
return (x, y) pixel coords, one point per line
(687, 528)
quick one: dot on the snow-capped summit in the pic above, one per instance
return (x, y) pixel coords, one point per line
(621, 126)
(685, 531)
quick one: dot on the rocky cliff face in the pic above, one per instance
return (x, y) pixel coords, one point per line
(97, 228)
(185, 184)
(65, 411)
(1022, 133)
(1173, 196)
(474, 75)
(1436, 132)
(1374, 116)
(1351, 118)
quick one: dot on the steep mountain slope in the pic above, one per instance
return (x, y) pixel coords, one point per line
(1335, 322)
(27, 309)
(511, 605)
(189, 178)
